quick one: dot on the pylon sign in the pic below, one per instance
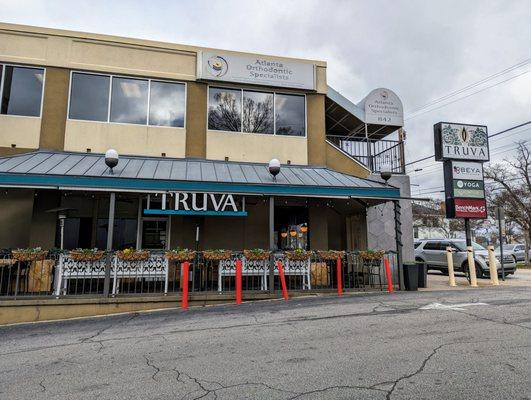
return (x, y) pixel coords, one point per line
(463, 148)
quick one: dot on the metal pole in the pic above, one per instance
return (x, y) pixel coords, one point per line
(398, 240)
(369, 156)
(271, 243)
(500, 233)
(110, 232)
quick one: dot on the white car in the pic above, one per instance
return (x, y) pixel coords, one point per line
(432, 252)
(515, 250)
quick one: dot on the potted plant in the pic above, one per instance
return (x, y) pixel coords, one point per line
(330, 255)
(217, 255)
(29, 254)
(180, 255)
(298, 255)
(131, 254)
(256, 255)
(371, 255)
(86, 254)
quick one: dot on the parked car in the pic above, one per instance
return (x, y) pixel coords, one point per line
(432, 252)
(515, 250)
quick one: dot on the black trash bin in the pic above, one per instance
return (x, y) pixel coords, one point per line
(411, 278)
(423, 275)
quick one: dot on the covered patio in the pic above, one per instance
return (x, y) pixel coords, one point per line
(147, 206)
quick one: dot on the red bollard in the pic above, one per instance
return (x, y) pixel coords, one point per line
(238, 281)
(388, 275)
(282, 280)
(184, 276)
(339, 278)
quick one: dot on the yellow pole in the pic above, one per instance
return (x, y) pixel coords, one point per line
(450, 259)
(471, 267)
(492, 267)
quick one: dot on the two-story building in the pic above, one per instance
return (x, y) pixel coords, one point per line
(195, 129)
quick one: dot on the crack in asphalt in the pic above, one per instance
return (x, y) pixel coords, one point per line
(41, 384)
(149, 363)
(503, 322)
(418, 371)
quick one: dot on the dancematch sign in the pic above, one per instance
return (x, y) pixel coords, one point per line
(470, 208)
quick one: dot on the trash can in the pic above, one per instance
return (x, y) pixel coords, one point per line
(423, 275)
(411, 278)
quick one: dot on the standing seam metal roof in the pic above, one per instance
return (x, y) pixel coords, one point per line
(158, 168)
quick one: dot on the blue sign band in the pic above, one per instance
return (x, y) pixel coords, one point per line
(193, 212)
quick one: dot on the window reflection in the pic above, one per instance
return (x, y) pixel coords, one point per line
(257, 112)
(129, 101)
(224, 109)
(22, 93)
(166, 107)
(290, 115)
(89, 97)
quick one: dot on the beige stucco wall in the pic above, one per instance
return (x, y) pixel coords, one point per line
(256, 147)
(24, 132)
(95, 52)
(125, 138)
(341, 162)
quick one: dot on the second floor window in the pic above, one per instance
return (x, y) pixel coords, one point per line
(106, 98)
(22, 89)
(249, 111)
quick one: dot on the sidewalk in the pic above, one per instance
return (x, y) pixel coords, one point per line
(438, 281)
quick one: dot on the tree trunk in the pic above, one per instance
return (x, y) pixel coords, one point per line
(527, 235)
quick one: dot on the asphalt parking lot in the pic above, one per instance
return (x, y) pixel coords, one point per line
(473, 344)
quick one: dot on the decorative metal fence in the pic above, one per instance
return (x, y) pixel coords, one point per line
(61, 274)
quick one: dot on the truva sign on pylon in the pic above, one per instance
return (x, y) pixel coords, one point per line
(463, 148)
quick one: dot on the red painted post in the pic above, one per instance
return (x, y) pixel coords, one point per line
(388, 275)
(339, 278)
(238, 281)
(282, 280)
(185, 275)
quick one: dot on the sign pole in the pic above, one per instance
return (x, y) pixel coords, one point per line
(500, 216)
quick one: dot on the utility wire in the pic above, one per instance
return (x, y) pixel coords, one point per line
(471, 86)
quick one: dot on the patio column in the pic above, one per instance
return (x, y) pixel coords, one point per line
(398, 239)
(110, 232)
(271, 242)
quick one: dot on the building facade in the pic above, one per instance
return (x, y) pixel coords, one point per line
(195, 129)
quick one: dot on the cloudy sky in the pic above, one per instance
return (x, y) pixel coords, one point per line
(423, 50)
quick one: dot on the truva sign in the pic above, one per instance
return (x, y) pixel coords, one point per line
(209, 204)
(216, 202)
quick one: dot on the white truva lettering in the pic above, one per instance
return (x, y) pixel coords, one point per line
(182, 201)
(216, 204)
(229, 201)
(194, 202)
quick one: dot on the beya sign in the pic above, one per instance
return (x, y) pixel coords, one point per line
(209, 204)
(256, 70)
(472, 171)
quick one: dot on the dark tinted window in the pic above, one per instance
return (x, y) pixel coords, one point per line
(166, 104)
(224, 109)
(129, 101)
(432, 246)
(290, 115)
(22, 93)
(89, 97)
(257, 112)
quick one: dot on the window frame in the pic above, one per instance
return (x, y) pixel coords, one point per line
(3, 77)
(259, 90)
(111, 76)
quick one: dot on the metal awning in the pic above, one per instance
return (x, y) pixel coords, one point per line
(348, 119)
(88, 171)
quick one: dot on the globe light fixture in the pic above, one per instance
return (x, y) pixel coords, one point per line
(385, 172)
(274, 168)
(111, 159)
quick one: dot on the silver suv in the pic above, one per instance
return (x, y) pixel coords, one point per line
(432, 252)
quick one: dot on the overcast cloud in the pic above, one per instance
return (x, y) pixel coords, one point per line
(420, 49)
